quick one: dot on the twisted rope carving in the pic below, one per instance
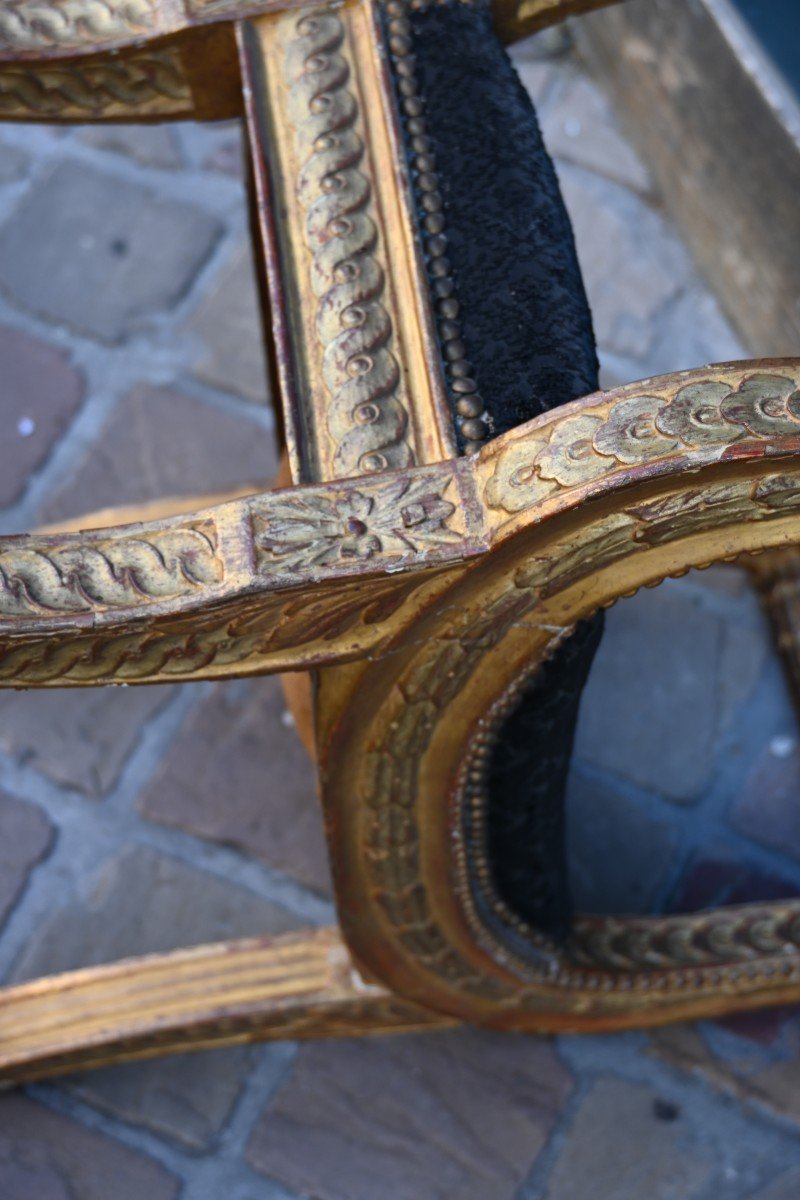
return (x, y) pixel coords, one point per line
(126, 658)
(723, 937)
(107, 574)
(366, 418)
(141, 83)
(28, 25)
(200, 642)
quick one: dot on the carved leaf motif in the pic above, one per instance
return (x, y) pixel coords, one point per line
(631, 434)
(645, 428)
(666, 518)
(516, 483)
(779, 491)
(696, 417)
(583, 556)
(767, 405)
(570, 456)
(326, 616)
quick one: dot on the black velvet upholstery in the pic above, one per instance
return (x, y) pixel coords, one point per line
(528, 337)
(524, 314)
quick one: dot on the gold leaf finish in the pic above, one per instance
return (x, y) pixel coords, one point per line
(295, 986)
(423, 590)
(37, 578)
(361, 339)
(515, 19)
(367, 413)
(41, 24)
(708, 416)
(392, 520)
(152, 81)
(408, 768)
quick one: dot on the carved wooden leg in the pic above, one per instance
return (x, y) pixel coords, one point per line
(299, 985)
(589, 507)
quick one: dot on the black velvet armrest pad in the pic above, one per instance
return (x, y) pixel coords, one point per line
(524, 314)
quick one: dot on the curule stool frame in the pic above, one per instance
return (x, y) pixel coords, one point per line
(421, 587)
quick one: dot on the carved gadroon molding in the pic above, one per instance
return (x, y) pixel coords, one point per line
(44, 578)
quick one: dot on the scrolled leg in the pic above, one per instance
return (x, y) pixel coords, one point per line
(615, 493)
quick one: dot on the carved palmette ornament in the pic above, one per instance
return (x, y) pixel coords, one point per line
(390, 520)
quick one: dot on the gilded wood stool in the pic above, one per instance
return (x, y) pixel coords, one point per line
(430, 580)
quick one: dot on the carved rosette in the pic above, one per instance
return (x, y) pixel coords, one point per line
(403, 518)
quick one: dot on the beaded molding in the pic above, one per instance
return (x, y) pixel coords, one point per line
(472, 419)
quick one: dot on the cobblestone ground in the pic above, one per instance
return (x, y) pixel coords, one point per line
(142, 819)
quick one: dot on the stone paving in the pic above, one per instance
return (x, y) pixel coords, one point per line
(136, 820)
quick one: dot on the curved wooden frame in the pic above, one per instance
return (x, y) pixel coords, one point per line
(423, 597)
(118, 60)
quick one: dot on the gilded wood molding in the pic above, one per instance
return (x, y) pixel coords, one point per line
(39, 580)
(274, 581)
(305, 576)
(424, 589)
(43, 24)
(112, 60)
(147, 83)
(643, 425)
(74, 27)
(55, 64)
(358, 345)
(294, 986)
(632, 487)
(57, 28)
